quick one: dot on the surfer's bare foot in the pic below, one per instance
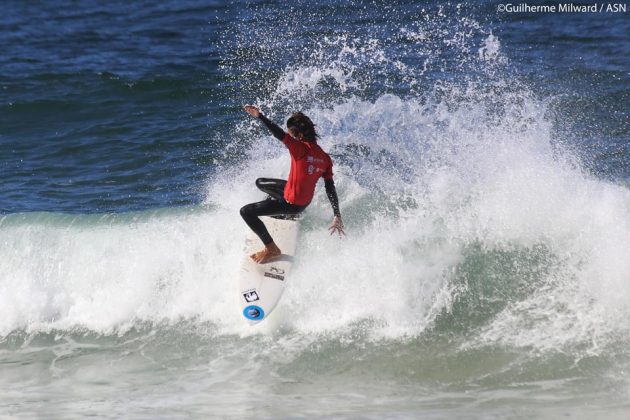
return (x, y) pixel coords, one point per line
(270, 252)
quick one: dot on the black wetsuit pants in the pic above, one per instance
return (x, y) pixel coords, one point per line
(274, 205)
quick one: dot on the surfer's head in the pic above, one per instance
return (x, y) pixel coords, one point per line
(301, 127)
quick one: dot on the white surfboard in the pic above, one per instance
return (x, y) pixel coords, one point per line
(262, 285)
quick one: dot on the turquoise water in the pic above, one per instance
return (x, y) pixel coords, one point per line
(481, 161)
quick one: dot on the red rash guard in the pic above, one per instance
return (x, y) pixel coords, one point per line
(308, 163)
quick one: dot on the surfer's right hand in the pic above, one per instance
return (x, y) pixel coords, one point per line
(252, 110)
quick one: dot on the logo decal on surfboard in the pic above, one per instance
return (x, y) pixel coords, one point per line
(253, 312)
(275, 273)
(251, 296)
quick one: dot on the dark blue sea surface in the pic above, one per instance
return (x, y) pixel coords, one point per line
(108, 107)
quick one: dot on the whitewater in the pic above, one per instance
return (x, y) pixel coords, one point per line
(427, 186)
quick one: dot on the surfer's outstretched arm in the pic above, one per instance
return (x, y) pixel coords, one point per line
(273, 127)
(331, 192)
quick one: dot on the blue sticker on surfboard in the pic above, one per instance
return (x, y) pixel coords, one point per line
(254, 313)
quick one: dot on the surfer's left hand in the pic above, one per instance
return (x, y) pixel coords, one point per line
(337, 226)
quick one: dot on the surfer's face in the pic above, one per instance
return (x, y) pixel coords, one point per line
(295, 134)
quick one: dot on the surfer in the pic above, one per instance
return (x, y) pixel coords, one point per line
(308, 163)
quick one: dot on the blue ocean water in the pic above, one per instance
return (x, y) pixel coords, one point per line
(127, 106)
(482, 160)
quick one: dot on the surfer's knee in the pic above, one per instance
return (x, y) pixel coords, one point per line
(246, 211)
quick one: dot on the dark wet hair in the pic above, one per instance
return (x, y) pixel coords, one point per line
(303, 124)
